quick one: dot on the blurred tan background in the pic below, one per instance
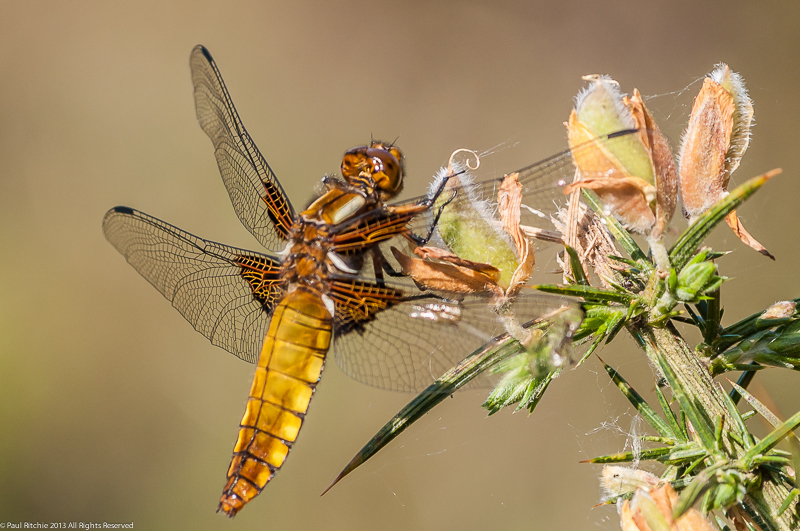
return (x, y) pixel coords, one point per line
(113, 409)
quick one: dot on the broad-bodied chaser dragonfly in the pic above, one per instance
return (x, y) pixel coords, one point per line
(328, 279)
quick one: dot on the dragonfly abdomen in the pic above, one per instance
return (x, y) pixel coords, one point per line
(288, 370)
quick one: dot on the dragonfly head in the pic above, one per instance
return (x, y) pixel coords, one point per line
(378, 167)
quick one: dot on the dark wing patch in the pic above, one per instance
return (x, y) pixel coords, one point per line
(358, 302)
(374, 226)
(264, 276)
(256, 194)
(225, 293)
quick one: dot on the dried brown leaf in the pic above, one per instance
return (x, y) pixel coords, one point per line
(626, 520)
(662, 159)
(665, 498)
(435, 253)
(509, 199)
(735, 224)
(442, 276)
(627, 198)
(740, 518)
(590, 239)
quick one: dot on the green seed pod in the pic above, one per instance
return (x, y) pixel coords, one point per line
(469, 229)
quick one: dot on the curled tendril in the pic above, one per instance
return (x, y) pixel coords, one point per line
(456, 152)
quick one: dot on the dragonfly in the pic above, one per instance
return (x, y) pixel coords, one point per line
(326, 278)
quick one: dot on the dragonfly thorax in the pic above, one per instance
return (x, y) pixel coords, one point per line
(308, 248)
(311, 254)
(336, 205)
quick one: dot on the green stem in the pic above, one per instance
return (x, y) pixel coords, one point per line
(665, 345)
(712, 318)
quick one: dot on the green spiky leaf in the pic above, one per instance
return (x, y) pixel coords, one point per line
(687, 244)
(647, 413)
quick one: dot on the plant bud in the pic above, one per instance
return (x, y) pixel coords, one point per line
(633, 175)
(695, 279)
(478, 241)
(715, 140)
(619, 480)
(469, 229)
(779, 310)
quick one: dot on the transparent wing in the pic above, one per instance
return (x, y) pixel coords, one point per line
(542, 183)
(256, 194)
(407, 354)
(405, 349)
(227, 294)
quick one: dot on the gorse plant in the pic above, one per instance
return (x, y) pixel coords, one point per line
(715, 472)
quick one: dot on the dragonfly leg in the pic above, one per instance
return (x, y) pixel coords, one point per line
(381, 265)
(419, 240)
(441, 188)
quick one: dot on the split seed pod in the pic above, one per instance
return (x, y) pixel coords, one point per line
(634, 175)
(652, 509)
(443, 270)
(467, 226)
(715, 140)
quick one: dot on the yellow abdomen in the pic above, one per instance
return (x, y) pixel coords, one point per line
(288, 370)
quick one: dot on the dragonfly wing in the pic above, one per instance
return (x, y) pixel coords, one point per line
(406, 344)
(408, 353)
(256, 194)
(542, 183)
(227, 294)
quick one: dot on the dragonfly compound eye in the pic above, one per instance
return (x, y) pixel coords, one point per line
(377, 166)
